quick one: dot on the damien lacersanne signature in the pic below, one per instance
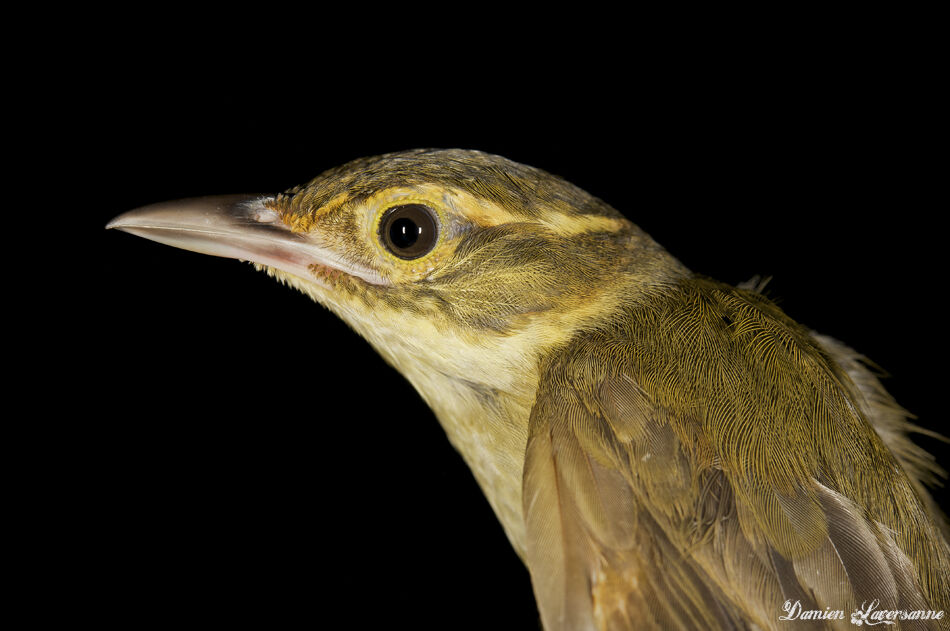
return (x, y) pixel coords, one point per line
(868, 613)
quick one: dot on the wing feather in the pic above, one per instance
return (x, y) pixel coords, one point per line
(703, 490)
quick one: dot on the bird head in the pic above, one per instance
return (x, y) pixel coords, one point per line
(462, 269)
(451, 263)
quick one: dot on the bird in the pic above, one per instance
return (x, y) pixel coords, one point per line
(662, 450)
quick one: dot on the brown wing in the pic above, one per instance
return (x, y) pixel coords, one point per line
(598, 558)
(703, 490)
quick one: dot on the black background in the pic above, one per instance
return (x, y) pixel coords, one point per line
(248, 458)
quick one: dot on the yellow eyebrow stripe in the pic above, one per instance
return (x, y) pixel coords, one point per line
(572, 225)
(476, 210)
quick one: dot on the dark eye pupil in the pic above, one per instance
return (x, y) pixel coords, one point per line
(409, 231)
(403, 232)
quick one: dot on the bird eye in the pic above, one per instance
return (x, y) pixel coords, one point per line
(409, 231)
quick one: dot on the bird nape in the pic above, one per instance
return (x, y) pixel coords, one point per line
(663, 450)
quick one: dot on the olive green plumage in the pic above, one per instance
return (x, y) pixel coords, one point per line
(518, 188)
(716, 450)
(664, 451)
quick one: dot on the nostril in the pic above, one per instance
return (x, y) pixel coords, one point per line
(266, 216)
(260, 213)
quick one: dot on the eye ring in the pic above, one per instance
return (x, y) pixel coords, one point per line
(409, 231)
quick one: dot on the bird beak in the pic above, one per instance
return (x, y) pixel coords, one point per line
(239, 227)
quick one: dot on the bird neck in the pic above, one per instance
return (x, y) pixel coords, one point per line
(484, 392)
(489, 428)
